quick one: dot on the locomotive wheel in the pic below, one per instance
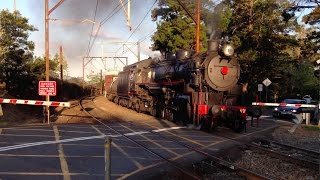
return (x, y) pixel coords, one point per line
(211, 125)
(116, 100)
(153, 111)
(238, 125)
(183, 113)
(133, 106)
(169, 115)
(137, 107)
(130, 104)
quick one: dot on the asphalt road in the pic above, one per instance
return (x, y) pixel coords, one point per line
(77, 151)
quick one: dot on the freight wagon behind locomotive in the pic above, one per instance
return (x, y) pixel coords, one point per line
(200, 89)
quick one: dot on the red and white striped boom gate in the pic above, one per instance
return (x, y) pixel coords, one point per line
(283, 104)
(34, 102)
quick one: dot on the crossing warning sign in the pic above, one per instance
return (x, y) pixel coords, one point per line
(47, 88)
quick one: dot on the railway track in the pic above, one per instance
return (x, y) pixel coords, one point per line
(215, 161)
(285, 153)
(296, 155)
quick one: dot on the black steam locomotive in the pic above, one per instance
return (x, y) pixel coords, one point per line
(198, 89)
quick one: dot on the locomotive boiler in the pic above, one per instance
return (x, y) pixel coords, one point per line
(199, 89)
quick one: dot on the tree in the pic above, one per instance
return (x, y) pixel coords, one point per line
(16, 50)
(175, 29)
(37, 66)
(94, 79)
(311, 38)
(265, 43)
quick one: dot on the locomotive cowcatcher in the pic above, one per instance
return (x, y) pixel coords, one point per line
(199, 89)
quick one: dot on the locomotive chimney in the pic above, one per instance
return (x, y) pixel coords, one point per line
(213, 45)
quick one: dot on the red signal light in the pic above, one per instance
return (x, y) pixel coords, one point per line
(224, 70)
(223, 108)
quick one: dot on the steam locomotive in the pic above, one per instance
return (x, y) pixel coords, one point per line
(199, 89)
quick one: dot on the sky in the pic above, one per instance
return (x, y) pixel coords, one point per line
(71, 24)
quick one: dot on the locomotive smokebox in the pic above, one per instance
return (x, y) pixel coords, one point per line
(170, 56)
(213, 45)
(183, 54)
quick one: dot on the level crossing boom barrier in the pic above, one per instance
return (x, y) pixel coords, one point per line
(283, 104)
(35, 102)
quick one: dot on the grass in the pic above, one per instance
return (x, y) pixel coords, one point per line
(312, 128)
(3, 123)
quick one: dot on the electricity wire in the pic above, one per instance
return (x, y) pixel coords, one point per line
(111, 14)
(139, 23)
(94, 19)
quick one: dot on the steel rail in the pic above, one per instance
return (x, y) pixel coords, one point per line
(283, 156)
(309, 151)
(240, 170)
(286, 152)
(141, 145)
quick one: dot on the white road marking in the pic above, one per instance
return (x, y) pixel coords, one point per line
(166, 129)
(147, 139)
(121, 150)
(137, 133)
(63, 161)
(20, 146)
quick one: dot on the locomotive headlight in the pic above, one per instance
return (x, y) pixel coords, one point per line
(227, 50)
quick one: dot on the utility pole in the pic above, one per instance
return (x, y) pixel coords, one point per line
(83, 72)
(47, 13)
(198, 28)
(61, 64)
(138, 44)
(47, 53)
(101, 84)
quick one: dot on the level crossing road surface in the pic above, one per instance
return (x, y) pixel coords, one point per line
(76, 151)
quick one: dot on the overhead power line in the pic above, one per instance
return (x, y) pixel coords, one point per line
(140, 23)
(109, 16)
(112, 13)
(94, 19)
(148, 35)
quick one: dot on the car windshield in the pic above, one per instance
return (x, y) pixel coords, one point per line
(294, 101)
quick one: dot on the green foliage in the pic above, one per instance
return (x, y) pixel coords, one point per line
(37, 67)
(268, 44)
(94, 79)
(16, 50)
(311, 128)
(175, 29)
(19, 69)
(311, 18)
(298, 80)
